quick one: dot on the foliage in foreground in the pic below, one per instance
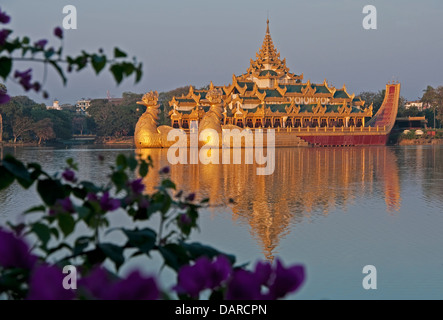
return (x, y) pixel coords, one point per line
(71, 226)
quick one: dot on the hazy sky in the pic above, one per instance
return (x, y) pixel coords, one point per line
(193, 42)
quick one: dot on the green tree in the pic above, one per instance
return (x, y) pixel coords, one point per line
(376, 99)
(20, 126)
(43, 130)
(433, 97)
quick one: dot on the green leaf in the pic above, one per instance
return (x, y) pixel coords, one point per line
(113, 252)
(66, 223)
(119, 54)
(128, 68)
(5, 67)
(197, 250)
(138, 73)
(132, 163)
(143, 239)
(25, 40)
(41, 208)
(18, 169)
(168, 184)
(81, 244)
(119, 178)
(143, 170)
(98, 63)
(117, 72)
(48, 53)
(51, 191)
(43, 232)
(6, 178)
(59, 70)
(175, 256)
(121, 162)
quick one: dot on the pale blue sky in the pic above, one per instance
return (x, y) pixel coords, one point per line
(195, 41)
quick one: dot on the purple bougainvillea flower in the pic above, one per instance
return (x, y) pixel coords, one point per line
(92, 197)
(165, 170)
(96, 284)
(137, 186)
(193, 279)
(58, 32)
(4, 18)
(4, 98)
(243, 286)
(286, 280)
(69, 175)
(41, 43)
(219, 272)
(190, 197)
(263, 271)
(14, 252)
(204, 274)
(100, 285)
(109, 204)
(47, 284)
(25, 78)
(3, 36)
(36, 86)
(66, 205)
(134, 287)
(184, 219)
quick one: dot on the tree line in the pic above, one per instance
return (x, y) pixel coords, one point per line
(432, 100)
(26, 120)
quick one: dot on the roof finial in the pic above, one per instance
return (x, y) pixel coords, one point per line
(267, 26)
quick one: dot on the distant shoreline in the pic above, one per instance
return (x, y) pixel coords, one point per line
(412, 142)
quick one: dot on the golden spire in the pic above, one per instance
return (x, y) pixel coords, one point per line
(267, 27)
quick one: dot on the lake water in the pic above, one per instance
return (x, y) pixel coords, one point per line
(334, 210)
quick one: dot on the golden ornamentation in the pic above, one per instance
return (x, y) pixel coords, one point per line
(147, 132)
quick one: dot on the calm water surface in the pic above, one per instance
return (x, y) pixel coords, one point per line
(333, 209)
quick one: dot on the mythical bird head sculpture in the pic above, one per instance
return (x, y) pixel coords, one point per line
(150, 100)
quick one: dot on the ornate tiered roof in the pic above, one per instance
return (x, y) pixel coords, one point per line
(268, 84)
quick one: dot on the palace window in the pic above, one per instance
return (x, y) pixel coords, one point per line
(340, 123)
(315, 123)
(185, 124)
(359, 123)
(289, 123)
(240, 123)
(258, 123)
(323, 123)
(249, 123)
(297, 123)
(268, 123)
(176, 125)
(277, 123)
(351, 122)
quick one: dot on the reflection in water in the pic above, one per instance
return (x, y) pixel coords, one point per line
(307, 182)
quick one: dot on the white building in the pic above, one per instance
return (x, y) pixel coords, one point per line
(55, 106)
(418, 104)
(82, 106)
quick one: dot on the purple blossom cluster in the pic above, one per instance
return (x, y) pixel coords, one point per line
(204, 274)
(106, 202)
(24, 79)
(278, 280)
(46, 281)
(266, 282)
(14, 252)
